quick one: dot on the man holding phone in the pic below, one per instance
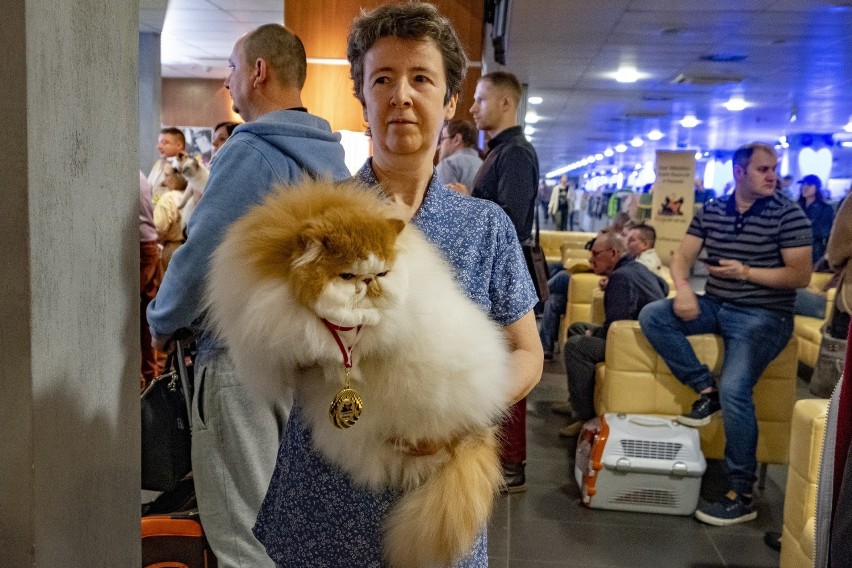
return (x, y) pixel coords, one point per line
(759, 252)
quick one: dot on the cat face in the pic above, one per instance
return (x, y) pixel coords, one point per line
(347, 271)
(184, 165)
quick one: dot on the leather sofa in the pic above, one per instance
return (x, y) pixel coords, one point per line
(581, 289)
(799, 532)
(634, 379)
(552, 242)
(807, 329)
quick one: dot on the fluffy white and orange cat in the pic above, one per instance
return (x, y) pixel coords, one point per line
(428, 363)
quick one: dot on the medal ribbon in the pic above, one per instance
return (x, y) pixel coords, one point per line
(345, 350)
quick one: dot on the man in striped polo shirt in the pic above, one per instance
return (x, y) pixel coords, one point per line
(759, 251)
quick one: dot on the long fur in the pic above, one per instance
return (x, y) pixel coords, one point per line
(429, 363)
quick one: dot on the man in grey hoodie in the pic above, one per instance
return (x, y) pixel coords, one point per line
(235, 434)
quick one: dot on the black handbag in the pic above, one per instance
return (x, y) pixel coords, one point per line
(166, 429)
(537, 264)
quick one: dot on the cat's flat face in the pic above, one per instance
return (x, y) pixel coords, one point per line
(348, 276)
(185, 165)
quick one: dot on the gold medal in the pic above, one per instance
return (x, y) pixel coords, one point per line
(346, 406)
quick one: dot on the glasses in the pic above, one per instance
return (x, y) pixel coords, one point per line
(595, 253)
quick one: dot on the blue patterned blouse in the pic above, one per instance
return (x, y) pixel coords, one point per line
(313, 515)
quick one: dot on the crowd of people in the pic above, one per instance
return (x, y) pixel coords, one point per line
(266, 498)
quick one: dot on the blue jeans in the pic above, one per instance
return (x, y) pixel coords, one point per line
(554, 308)
(752, 338)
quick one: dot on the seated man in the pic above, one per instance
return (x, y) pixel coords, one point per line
(640, 243)
(761, 243)
(630, 287)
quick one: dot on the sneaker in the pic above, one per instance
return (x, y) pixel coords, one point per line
(563, 408)
(702, 411)
(572, 430)
(514, 479)
(730, 510)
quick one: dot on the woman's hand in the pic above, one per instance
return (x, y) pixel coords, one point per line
(420, 449)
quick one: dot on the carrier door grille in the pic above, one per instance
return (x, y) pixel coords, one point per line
(650, 449)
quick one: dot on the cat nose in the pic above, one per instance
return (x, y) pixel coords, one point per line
(367, 280)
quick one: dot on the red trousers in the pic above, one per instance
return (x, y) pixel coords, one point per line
(513, 433)
(149, 281)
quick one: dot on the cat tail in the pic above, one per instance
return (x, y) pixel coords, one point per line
(438, 522)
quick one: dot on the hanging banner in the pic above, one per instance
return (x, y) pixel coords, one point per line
(673, 200)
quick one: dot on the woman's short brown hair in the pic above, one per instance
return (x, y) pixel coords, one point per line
(410, 20)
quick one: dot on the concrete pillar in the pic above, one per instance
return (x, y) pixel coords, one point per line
(150, 99)
(69, 363)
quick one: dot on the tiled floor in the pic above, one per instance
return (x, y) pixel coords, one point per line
(547, 527)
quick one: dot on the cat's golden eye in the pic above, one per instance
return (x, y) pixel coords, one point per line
(380, 274)
(347, 275)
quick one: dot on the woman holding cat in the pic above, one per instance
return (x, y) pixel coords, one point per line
(407, 65)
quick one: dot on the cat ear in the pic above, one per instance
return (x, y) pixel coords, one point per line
(313, 245)
(396, 225)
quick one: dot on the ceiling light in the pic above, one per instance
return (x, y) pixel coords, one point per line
(637, 167)
(535, 100)
(614, 170)
(532, 118)
(621, 148)
(689, 121)
(846, 144)
(736, 103)
(529, 130)
(637, 142)
(609, 152)
(848, 127)
(590, 159)
(599, 157)
(698, 155)
(655, 135)
(627, 75)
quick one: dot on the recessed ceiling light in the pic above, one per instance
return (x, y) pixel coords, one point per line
(529, 130)
(535, 100)
(532, 118)
(628, 75)
(689, 121)
(848, 126)
(655, 135)
(608, 152)
(736, 103)
(698, 155)
(637, 142)
(614, 170)
(599, 157)
(621, 148)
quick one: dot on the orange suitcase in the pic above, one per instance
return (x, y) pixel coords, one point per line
(175, 541)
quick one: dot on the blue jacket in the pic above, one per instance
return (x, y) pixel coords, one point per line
(275, 149)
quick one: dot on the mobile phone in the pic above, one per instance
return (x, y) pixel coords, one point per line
(711, 261)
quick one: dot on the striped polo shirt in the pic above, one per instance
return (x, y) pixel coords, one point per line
(755, 238)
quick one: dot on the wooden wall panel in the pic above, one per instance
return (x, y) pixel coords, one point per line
(196, 102)
(323, 27)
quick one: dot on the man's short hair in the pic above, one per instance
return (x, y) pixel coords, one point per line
(507, 81)
(281, 49)
(612, 239)
(467, 130)
(176, 132)
(414, 21)
(743, 155)
(228, 125)
(647, 233)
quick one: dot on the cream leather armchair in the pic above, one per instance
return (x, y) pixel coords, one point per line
(635, 379)
(807, 329)
(806, 438)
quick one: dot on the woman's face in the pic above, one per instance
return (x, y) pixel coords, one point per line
(404, 89)
(808, 191)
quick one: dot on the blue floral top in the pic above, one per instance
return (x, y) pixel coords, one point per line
(313, 515)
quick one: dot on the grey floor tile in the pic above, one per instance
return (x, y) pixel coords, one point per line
(744, 550)
(607, 545)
